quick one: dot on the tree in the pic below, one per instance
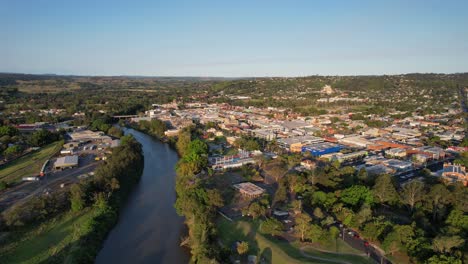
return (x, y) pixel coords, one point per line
(375, 228)
(43, 137)
(318, 213)
(303, 225)
(281, 192)
(442, 259)
(445, 244)
(242, 247)
(183, 142)
(412, 193)
(3, 185)
(198, 147)
(277, 171)
(436, 200)
(271, 226)
(12, 151)
(457, 219)
(115, 132)
(76, 198)
(334, 233)
(256, 210)
(8, 131)
(314, 233)
(384, 190)
(357, 195)
(296, 205)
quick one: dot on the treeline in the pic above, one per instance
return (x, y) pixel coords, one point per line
(105, 192)
(197, 203)
(155, 127)
(13, 143)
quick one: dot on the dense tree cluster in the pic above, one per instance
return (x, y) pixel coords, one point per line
(197, 203)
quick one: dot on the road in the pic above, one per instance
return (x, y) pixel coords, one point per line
(23, 191)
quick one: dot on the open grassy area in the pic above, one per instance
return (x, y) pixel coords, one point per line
(274, 250)
(30, 164)
(48, 239)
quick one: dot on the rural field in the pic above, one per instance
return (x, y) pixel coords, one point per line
(30, 164)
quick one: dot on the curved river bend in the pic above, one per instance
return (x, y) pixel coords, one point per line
(149, 229)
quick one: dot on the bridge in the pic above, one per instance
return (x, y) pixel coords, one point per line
(125, 116)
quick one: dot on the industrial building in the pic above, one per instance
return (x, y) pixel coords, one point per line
(319, 149)
(66, 162)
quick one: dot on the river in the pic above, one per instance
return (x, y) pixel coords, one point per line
(149, 229)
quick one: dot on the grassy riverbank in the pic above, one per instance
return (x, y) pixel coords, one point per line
(51, 239)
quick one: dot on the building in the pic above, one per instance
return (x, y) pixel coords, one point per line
(87, 135)
(455, 172)
(230, 162)
(340, 157)
(66, 162)
(396, 152)
(295, 144)
(249, 189)
(171, 133)
(398, 165)
(319, 149)
(357, 141)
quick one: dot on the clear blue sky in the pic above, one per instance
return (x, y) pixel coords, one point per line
(233, 38)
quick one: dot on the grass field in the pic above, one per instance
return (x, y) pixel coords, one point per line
(274, 250)
(30, 164)
(41, 242)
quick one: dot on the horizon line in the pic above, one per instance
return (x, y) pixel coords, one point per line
(231, 77)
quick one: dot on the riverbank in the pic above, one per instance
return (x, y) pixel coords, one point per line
(76, 235)
(149, 229)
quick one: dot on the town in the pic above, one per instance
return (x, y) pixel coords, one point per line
(333, 185)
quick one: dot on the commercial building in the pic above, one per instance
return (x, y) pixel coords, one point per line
(319, 149)
(396, 152)
(347, 157)
(295, 144)
(455, 172)
(398, 165)
(66, 162)
(357, 141)
(87, 135)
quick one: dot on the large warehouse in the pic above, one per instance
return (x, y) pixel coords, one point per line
(320, 149)
(66, 162)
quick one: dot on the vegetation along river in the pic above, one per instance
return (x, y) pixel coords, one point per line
(149, 229)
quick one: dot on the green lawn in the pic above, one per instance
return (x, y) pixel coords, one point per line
(274, 250)
(30, 164)
(41, 242)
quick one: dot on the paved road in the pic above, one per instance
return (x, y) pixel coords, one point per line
(23, 191)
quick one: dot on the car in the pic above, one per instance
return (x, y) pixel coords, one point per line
(356, 235)
(366, 243)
